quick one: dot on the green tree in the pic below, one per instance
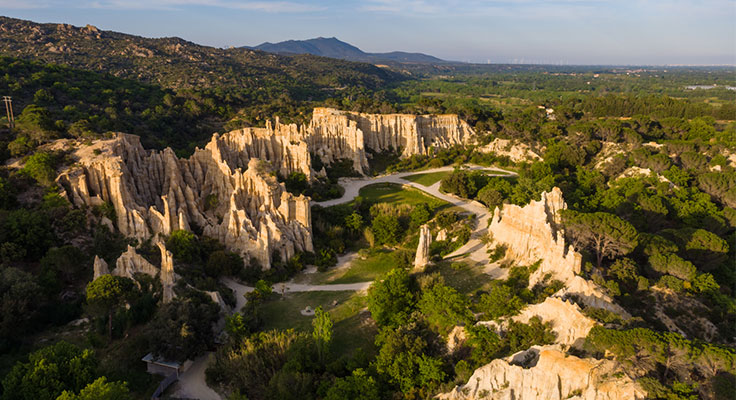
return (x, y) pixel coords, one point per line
(391, 300)
(444, 307)
(500, 301)
(184, 245)
(106, 293)
(322, 332)
(49, 372)
(20, 300)
(30, 230)
(386, 229)
(41, 166)
(420, 214)
(183, 327)
(604, 233)
(100, 389)
(354, 222)
(358, 386)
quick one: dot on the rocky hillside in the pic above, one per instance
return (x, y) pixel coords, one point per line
(177, 63)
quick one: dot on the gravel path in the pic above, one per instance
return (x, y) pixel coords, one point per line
(192, 383)
(474, 249)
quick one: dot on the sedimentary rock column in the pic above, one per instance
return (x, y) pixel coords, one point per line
(425, 240)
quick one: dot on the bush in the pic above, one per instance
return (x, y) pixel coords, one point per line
(41, 166)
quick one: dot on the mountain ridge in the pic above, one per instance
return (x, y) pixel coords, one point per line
(335, 48)
(178, 63)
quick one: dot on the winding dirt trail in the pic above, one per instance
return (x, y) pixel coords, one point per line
(474, 249)
(192, 383)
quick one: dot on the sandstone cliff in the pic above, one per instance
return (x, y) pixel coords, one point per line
(335, 134)
(534, 233)
(566, 318)
(226, 190)
(547, 373)
(219, 188)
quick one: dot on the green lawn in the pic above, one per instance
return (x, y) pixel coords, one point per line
(428, 179)
(350, 331)
(466, 280)
(376, 264)
(393, 193)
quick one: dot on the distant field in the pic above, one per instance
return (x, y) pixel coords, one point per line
(428, 179)
(393, 193)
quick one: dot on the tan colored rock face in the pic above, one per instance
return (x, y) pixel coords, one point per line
(226, 191)
(547, 373)
(338, 134)
(534, 233)
(568, 322)
(425, 241)
(155, 193)
(517, 152)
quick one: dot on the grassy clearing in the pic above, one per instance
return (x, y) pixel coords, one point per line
(428, 179)
(377, 263)
(466, 279)
(393, 193)
(351, 331)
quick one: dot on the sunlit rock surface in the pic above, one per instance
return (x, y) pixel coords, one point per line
(545, 372)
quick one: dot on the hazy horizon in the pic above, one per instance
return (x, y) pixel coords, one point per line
(567, 32)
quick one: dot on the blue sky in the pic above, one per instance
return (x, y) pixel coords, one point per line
(530, 31)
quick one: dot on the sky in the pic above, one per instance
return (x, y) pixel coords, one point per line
(610, 32)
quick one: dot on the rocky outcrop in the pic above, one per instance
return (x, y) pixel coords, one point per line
(219, 189)
(425, 241)
(168, 277)
(100, 267)
(534, 234)
(547, 373)
(130, 263)
(226, 188)
(568, 322)
(335, 134)
(515, 151)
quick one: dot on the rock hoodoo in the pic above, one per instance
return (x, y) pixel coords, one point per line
(226, 189)
(534, 233)
(425, 240)
(229, 196)
(335, 134)
(547, 373)
(131, 263)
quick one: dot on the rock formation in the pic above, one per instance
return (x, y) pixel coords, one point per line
(168, 278)
(567, 321)
(131, 263)
(517, 152)
(335, 134)
(534, 233)
(226, 188)
(547, 373)
(219, 189)
(100, 268)
(425, 240)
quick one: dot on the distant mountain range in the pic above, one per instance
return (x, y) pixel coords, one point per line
(335, 48)
(177, 63)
